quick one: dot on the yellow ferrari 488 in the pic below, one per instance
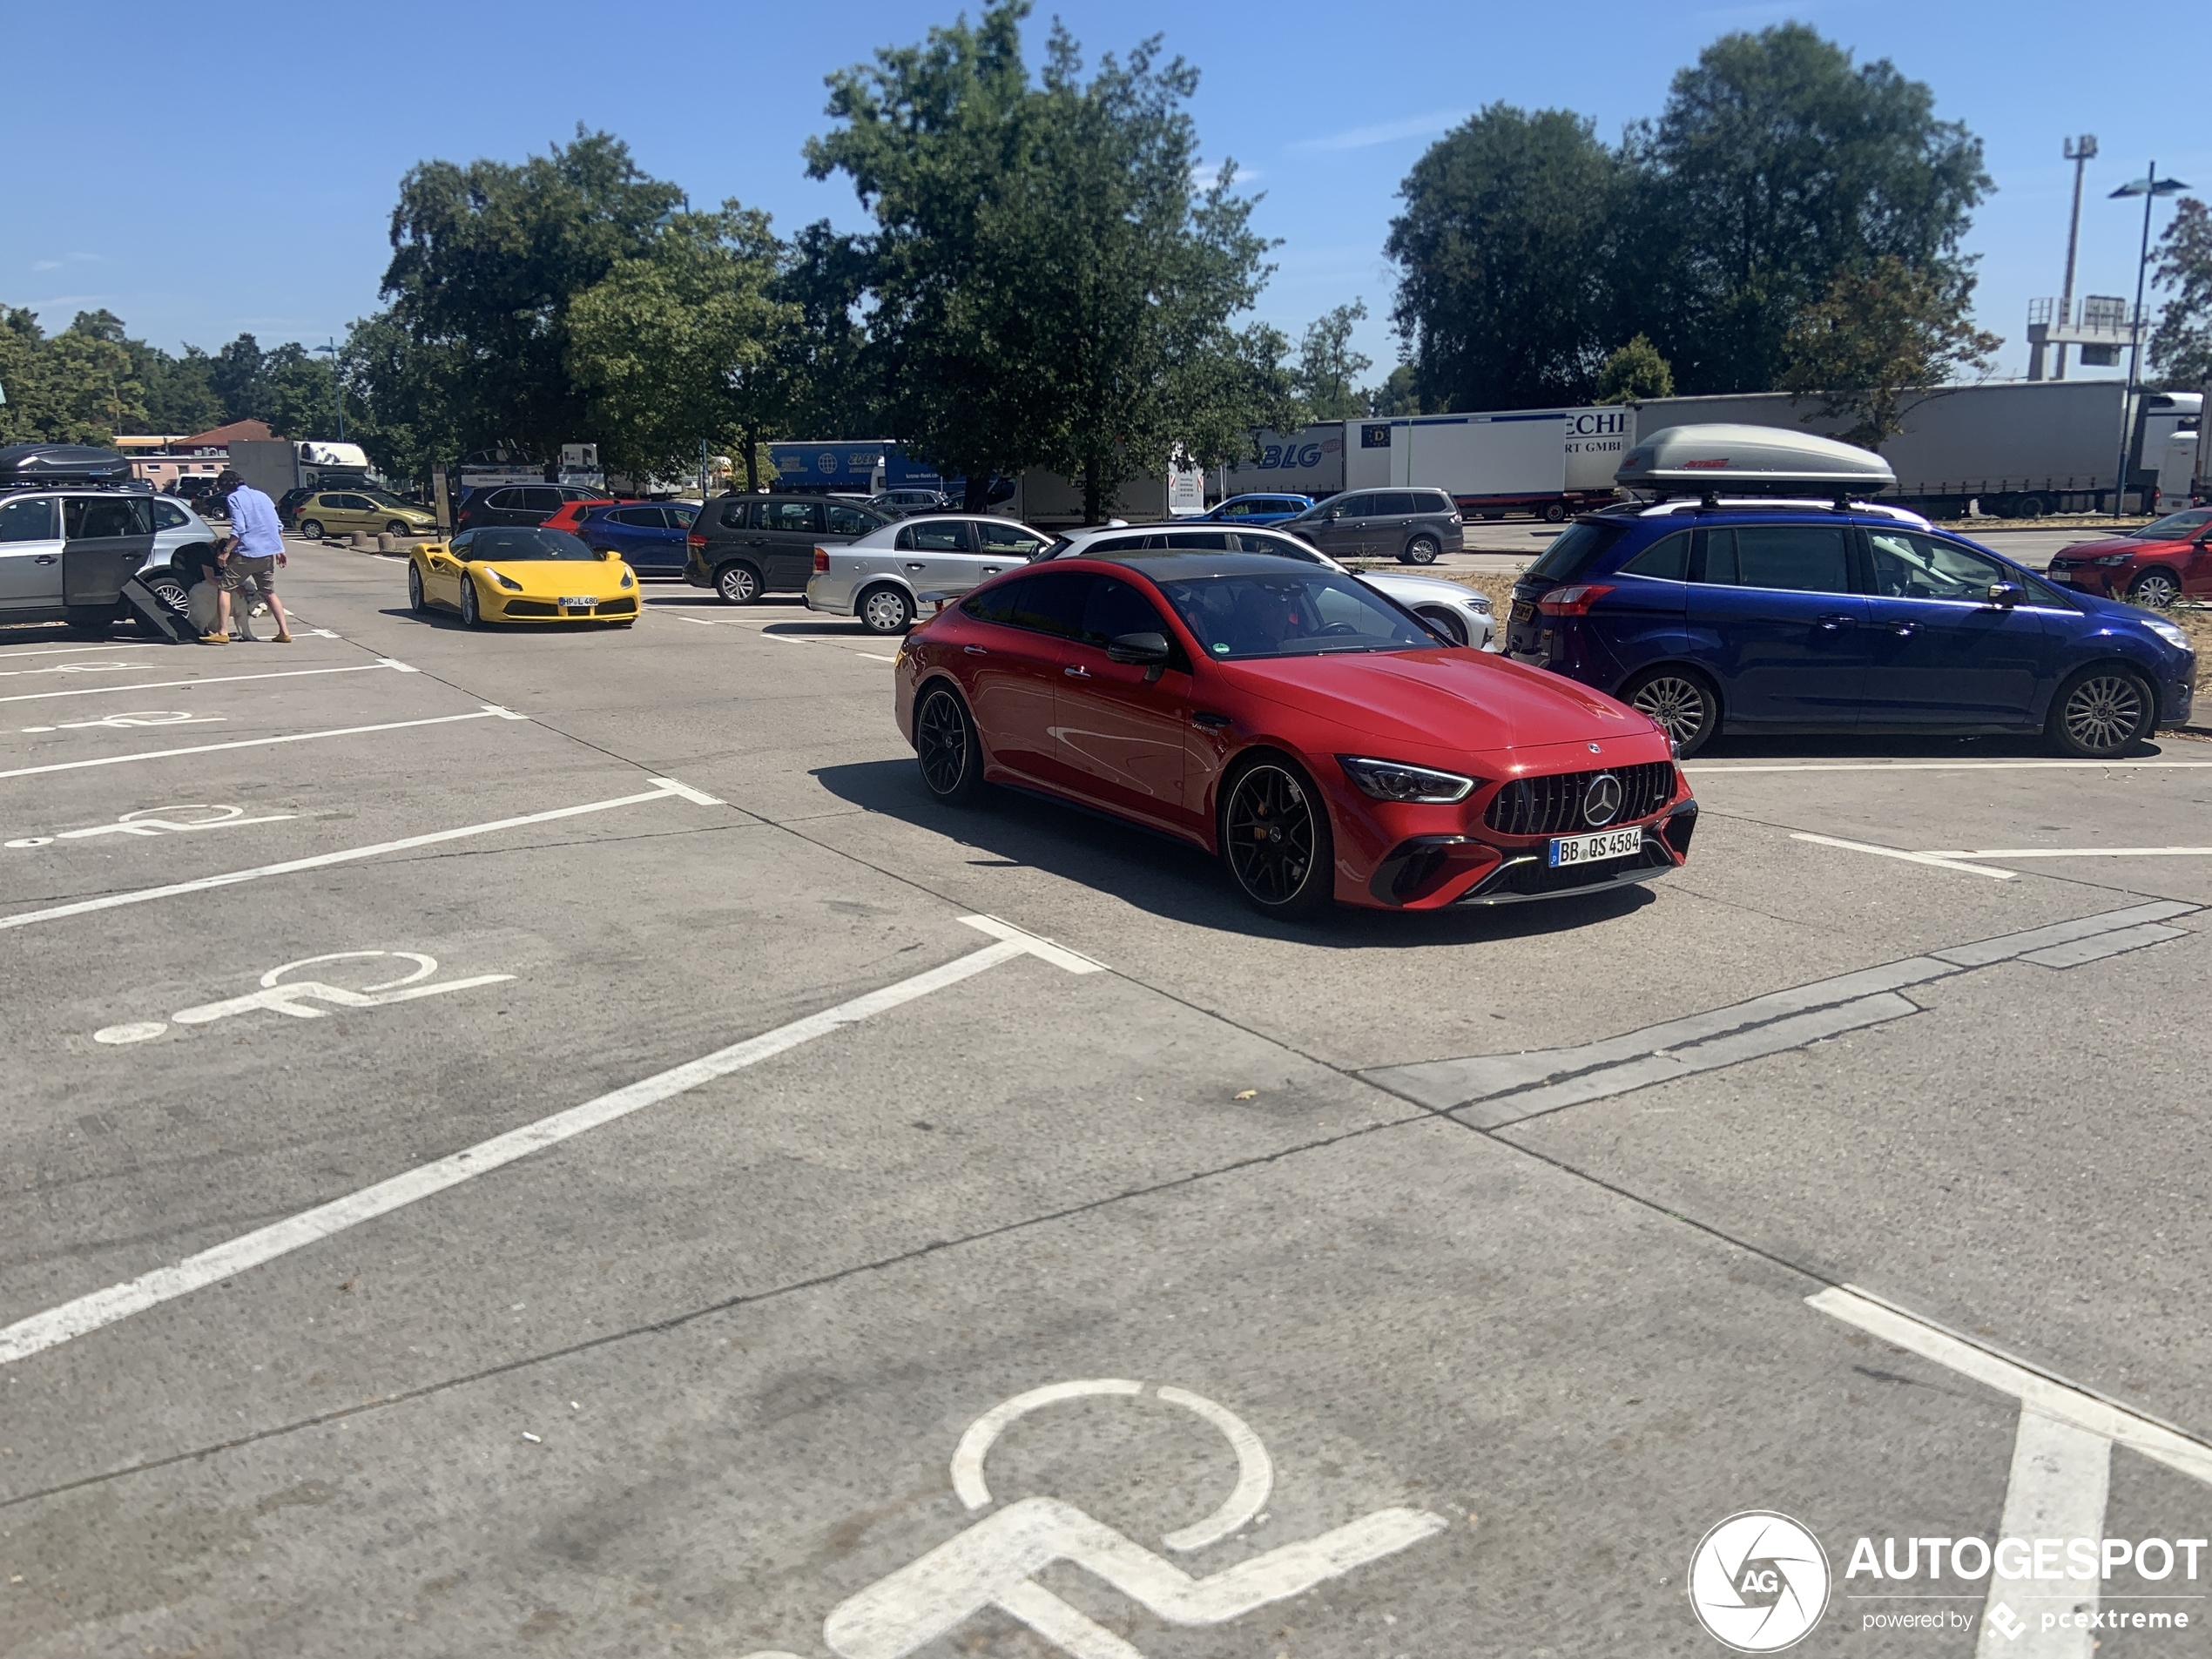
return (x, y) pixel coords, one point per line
(521, 573)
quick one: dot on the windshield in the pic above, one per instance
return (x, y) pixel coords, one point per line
(522, 544)
(2175, 526)
(1297, 613)
(1574, 550)
(386, 498)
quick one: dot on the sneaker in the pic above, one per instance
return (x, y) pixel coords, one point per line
(283, 639)
(215, 639)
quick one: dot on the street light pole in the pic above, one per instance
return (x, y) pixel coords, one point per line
(2150, 187)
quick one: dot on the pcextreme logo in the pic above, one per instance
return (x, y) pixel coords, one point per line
(1758, 1581)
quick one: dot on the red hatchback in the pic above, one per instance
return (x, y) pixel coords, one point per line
(2161, 563)
(1319, 738)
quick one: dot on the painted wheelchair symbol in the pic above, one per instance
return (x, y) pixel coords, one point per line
(159, 820)
(995, 1562)
(297, 997)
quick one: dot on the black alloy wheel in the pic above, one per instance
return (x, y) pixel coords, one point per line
(885, 610)
(946, 746)
(415, 601)
(1679, 703)
(738, 584)
(472, 612)
(312, 529)
(1275, 839)
(2100, 714)
(1420, 550)
(2154, 589)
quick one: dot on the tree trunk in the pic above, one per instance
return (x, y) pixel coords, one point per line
(752, 460)
(977, 496)
(1091, 491)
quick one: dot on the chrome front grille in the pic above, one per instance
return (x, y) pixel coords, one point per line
(1552, 805)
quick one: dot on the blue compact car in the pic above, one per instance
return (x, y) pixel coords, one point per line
(650, 534)
(1259, 509)
(1753, 614)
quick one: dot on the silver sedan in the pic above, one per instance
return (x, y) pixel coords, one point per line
(883, 576)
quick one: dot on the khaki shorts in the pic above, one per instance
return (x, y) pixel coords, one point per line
(258, 574)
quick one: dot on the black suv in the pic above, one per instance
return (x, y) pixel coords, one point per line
(518, 504)
(743, 546)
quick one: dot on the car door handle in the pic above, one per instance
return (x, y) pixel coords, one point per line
(916, 565)
(1078, 672)
(44, 558)
(1905, 629)
(1212, 722)
(976, 651)
(990, 569)
(1830, 624)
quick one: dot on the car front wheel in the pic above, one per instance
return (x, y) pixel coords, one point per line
(2154, 590)
(1275, 839)
(886, 610)
(947, 747)
(2101, 712)
(415, 602)
(472, 613)
(1679, 703)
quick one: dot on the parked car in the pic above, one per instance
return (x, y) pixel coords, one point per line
(1412, 526)
(1259, 509)
(358, 508)
(176, 527)
(743, 546)
(648, 533)
(882, 577)
(1460, 613)
(2155, 565)
(66, 551)
(1784, 614)
(1283, 715)
(287, 507)
(518, 503)
(895, 503)
(540, 576)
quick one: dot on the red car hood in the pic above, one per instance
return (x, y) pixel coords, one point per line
(1462, 701)
(2115, 544)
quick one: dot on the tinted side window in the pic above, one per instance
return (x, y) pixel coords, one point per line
(1208, 541)
(505, 500)
(995, 603)
(1354, 506)
(169, 516)
(1053, 604)
(27, 519)
(1668, 558)
(1398, 503)
(540, 501)
(850, 521)
(639, 518)
(1115, 607)
(1799, 558)
(89, 517)
(934, 535)
(800, 517)
(1113, 545)
(1434, 500)
(998, 537)
(1241, 509)
(1576, 550)
(1279, 547)
(733, 512)
(680, 518)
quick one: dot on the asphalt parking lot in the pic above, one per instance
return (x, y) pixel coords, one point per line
(552, 1142)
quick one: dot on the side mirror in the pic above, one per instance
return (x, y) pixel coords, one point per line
(1149, 650)
(605, 553)
(2006, 595)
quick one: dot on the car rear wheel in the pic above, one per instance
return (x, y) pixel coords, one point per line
(738, 584)
(885, 610)
(1275, 839)
(312, 529)
(415, 602)
(1420, 550)
(946, 744)
(2154, 589)
(472, 611)
(1680, 704)
(2101, 712)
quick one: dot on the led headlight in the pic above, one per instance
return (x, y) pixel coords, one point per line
(626, 582)
(2167, 631)
(504, 579)
(1394, 780)
(2114, 558)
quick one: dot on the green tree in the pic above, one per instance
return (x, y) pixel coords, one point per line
(1501, 250)
(1635, 372)
(1400, 393)
(1876, 335)
(486, 261)
(831, 371)
(1046, 288)
(2181, 347)
(681, 344)
(1328, 369)
(1776, 167)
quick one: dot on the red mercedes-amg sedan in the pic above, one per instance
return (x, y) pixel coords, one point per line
(1319, 738)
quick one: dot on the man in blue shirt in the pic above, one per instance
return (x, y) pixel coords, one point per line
(249, 557)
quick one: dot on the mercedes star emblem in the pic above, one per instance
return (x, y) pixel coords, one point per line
(1602, 800)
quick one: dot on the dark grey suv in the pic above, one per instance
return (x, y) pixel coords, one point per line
(1412, 526)
(743, 546)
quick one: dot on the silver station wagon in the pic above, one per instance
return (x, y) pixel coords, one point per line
(882, 577)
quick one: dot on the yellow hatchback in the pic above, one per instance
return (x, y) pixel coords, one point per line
(340, 511)
(521, 573)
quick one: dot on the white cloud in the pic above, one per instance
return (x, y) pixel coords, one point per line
(1411, 126)
(1203, 178)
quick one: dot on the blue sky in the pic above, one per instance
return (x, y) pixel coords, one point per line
(242, 178)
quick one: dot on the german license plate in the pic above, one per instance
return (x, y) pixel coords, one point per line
(583, 603)
(1592, 849)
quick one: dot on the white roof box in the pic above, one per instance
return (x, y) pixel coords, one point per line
(1751, 460)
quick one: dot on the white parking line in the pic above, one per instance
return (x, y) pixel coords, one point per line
(1709, 770)
(490, 711)
(1938, 859)
(7, 656)
(662, 789)
(220, 680)
(2079, 853)
(88, 1313)
(75, 668)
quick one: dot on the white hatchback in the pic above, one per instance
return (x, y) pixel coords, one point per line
(885, 576)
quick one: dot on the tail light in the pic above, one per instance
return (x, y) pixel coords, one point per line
(1573, 601)
(696, 540)
(821, 561)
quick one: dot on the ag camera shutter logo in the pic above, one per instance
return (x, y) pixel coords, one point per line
(1759, 1581)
